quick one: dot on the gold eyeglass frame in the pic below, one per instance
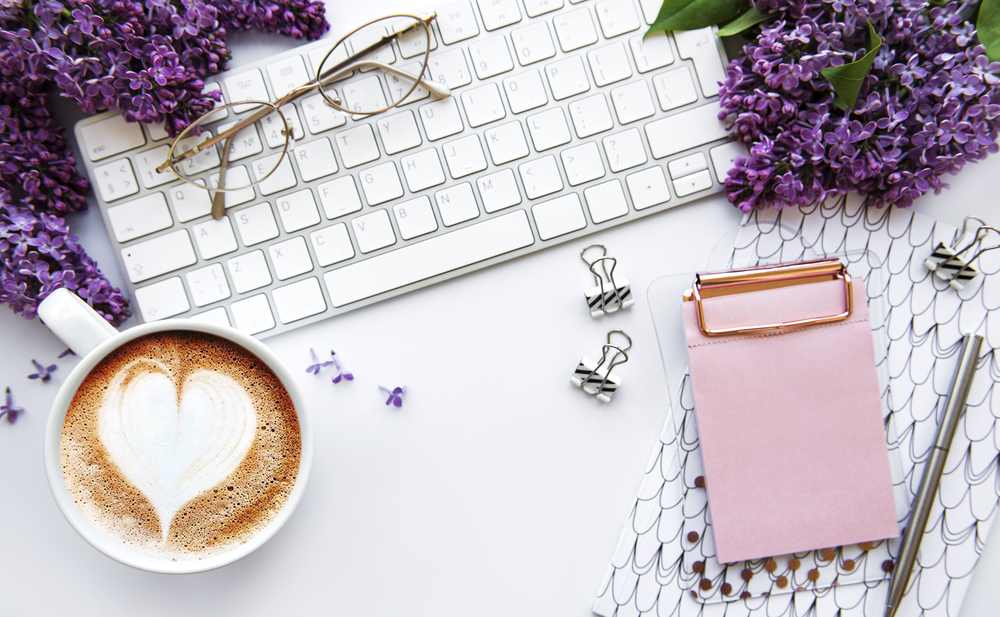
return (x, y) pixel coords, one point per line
(328, 76)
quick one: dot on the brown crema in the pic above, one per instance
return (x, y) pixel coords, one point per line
(218, 519)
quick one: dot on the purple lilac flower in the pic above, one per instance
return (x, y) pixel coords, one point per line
(341, 373)
(930, 105)
(44, 372)
(316, 366)
(8, 409)
(395, 395)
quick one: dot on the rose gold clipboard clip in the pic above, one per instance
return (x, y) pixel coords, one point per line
(745, 280)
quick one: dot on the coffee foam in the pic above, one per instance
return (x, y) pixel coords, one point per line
(118, 494)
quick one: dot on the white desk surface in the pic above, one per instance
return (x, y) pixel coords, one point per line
(498, 488)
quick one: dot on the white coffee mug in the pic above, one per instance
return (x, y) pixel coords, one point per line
(93, 339)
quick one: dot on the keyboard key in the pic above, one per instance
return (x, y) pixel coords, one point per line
(235, 176)
(724, 158)
(280, 179)
(575, 29)
(506, 143)
(357, 146)
(441, 118)
(246, 142)
(256, 224)
(287, 74)
(373, 231)
(651, 53)
(693, 183)
(139, 217)
(299, 300)
(398, 132)
(702, 48)
(534, 8)
(633, 102)
(525, 91)
(540, 177)
(490, 57)
(252, 315)
(650, 9)
(687, 165)
(449, 68)
(189, 202)
(559, 216)
(483, 105)
(499, 13)
(365, 37)
(616, 17)
(246, 86)
(331, 245)
(415, 43)
(456, 22)
(624, 150)
(162, 300)
(456, 204)
(290, 258)
(499, 190)
(319, 115)
(152, 258)
(110, 136)
(249, 271)
(685, 130)
(609, 64)
(363, 94)
(429, 258)
(115, 180)
(532, 43)
(208, 285)
(422, 170)
(606, 201)
(148, 161)
(217, 316)
(402, 88)
(314, 159)
(548, 129)
(318, 54)
(582, 163)
(381, 184)
(275, 130)
(567, 77)
(591, 116)
(648, 188)
(465, 157)
(215, 238)
(339, 197)
(415, 218)
(675, 88)
(297, 210)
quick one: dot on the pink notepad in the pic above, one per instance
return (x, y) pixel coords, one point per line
(790, 424)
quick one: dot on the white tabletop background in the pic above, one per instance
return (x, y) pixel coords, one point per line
(498, 488)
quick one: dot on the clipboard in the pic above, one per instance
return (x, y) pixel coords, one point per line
(916, 325)
(788, 411)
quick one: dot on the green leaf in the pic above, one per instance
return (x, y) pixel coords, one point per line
(988, 27)
(848, 78)
(694, 14)
(743, 21)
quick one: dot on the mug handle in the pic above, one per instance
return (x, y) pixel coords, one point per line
(74, 322)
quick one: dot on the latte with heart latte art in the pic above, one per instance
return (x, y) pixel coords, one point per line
(181, 444)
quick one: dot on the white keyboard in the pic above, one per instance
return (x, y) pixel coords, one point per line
(562, 122)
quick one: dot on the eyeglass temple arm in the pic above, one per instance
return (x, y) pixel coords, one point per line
(219, 197)
(438, 90)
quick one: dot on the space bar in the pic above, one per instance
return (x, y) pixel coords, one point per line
(429, 258)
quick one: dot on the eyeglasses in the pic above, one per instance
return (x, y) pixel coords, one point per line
(364, 74)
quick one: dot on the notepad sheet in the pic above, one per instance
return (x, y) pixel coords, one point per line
(654, 566)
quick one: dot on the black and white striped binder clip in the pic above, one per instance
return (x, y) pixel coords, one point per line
(596, 377)
(607, 295)
(949, 263)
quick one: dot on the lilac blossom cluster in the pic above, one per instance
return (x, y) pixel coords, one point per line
(930, 104)
(146, 58)
(38, 256)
